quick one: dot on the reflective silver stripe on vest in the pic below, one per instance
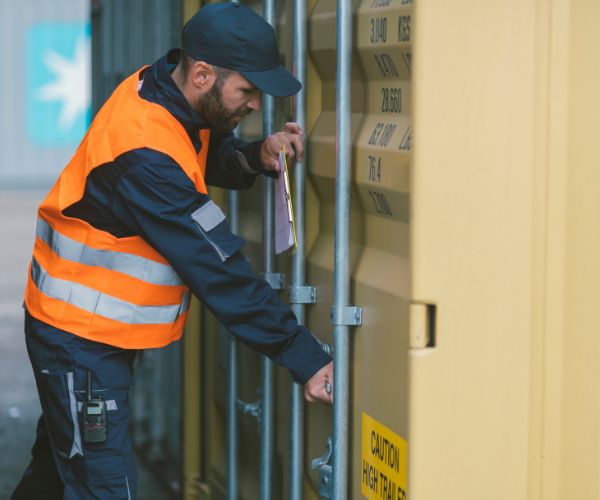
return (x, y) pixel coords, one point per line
(99, 303)
(126, 263)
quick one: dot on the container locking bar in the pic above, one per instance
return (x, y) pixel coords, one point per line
(232, 379)
(302, 294)
(343, 315)
(346, 316)
(276, 280)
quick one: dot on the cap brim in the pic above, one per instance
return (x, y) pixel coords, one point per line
(278, 81)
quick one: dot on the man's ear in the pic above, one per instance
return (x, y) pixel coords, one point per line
(201, 76)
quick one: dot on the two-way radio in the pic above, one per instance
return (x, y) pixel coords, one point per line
(94, 416)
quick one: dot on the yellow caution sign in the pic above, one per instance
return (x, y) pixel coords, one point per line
(384, 462)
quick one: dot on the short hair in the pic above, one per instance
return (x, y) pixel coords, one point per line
(221, 73)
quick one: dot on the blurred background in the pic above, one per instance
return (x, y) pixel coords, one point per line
(45, 98)
(46, 107)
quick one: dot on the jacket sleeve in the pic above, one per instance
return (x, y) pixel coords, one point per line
(232, 162)
(161, 204)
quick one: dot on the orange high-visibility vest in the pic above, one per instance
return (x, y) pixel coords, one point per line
(118, 291)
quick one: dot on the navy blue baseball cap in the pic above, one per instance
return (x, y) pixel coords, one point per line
(235, 37)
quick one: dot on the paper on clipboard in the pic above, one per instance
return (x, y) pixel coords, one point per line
(285, 230)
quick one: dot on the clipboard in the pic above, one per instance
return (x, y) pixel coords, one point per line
(285, 228)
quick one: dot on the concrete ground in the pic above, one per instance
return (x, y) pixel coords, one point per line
(19, 406)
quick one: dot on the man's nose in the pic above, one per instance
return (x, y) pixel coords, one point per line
(255, 103)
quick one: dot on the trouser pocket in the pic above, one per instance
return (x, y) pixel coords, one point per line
(102, 477)
(60, 411)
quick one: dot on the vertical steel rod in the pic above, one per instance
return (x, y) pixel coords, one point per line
(298, 262)
(232, 385)
(266, 421)
(341, 285)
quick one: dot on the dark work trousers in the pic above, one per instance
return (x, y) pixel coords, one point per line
(63, 465)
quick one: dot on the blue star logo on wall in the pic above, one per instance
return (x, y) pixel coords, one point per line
(58, 83)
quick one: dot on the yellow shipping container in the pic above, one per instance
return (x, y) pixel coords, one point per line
(475, 186)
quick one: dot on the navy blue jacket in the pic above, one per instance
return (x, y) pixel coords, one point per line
(145, 192)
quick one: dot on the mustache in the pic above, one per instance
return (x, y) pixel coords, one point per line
(243, 113)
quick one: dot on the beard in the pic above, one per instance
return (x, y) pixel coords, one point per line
(213, 110)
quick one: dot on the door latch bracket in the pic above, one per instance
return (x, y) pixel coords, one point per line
(346, 316)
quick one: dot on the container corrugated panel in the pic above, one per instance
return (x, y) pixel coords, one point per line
(460, 255)
(381, 129)
(379, 246)
(44, 94)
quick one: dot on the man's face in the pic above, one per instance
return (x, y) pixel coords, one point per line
(228, 101)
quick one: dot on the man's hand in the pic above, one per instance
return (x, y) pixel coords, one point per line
(320, 386)
(290, 138)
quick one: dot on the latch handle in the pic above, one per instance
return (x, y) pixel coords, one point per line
(323, 460)
(325, 470)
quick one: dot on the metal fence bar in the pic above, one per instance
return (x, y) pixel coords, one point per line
(341, 290)
(266, 421)
(298, 260)
(232, 376)
(232, 381)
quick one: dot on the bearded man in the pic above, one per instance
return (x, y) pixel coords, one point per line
(128, 232)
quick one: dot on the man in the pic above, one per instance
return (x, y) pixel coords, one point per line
(128, 231)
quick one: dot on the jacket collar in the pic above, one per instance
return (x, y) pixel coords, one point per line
(160, 88)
